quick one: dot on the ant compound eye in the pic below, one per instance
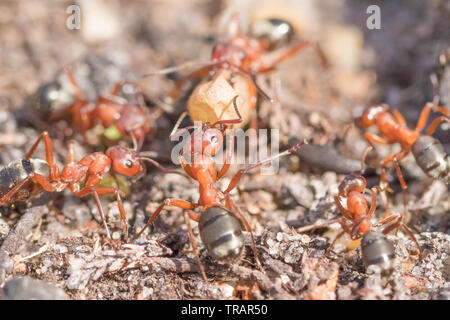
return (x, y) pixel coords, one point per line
(129, 164)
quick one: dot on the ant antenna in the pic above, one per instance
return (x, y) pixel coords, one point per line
(258, 88)
(363, 158)
(346, 130)
(231, 121)
(178, 68)
(435, 84)
(177, 124)
(135, 142)
(163, 169)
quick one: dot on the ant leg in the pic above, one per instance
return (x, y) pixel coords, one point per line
(193, 215)
(116, 88)
(186, 166)
(123, 217)
(186, 205)
(180, 83)
(435, 83)
(104, 190)
(111, 100)
(373, 204)
(423, 118)
(36, 178)
(54, 172)
(13, 191)
(42, 181)
(70, 152)
(385, 187)
(347, 214)
(253, 95)
(396, 158)
(344, 231)
(399, 117)
(394, 216)
(270, 60)
(238, 175)
(79, 94)
(228, 157)
(373, 138)
(186, 215)
(237, 211)
(334, 241)
(397, 224)
(435, 124)
(313, 227)
(436, 96)
(411, 235)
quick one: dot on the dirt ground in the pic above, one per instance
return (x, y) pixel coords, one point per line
(59, 238)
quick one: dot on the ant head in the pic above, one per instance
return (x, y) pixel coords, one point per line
(124, 161)
(353, 182)
(369, 116)
(275, 32)
(229, 53)
(212, 139)
(206, 139)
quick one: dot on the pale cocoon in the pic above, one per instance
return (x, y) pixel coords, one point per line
(212, 100)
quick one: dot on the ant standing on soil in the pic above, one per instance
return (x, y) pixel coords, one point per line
(428, 152)
(247, 56)
(110, 111)
(219, 229)
(352, 189)
(90, 169)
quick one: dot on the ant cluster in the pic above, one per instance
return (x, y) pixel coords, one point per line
(229, 80)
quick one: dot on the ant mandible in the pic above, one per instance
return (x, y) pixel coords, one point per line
(90, 169)
(205, 141)
(110, 110)
(358, 213)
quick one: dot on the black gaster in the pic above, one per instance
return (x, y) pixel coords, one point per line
(221, 233)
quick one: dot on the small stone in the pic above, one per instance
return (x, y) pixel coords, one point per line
(31, 289)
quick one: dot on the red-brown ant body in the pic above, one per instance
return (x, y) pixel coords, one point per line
(248, 56)
(90, 170)
(393, 129)
(110, 111)
(358, 212)
(224, 236)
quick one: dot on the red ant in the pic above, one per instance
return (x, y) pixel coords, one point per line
(223, 240)
(90, 169)
(352, 189)
(247, 56)
(392, 127)
(109, 110)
